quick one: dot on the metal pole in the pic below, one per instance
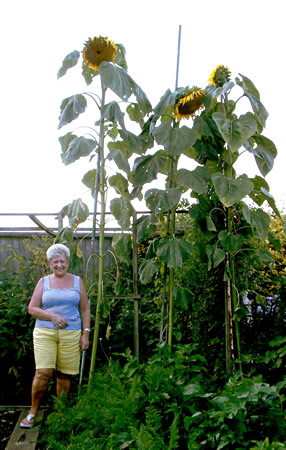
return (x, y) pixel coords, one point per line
(178, 56)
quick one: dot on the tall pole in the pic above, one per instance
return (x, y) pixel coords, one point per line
(171, 223)
(178, 56)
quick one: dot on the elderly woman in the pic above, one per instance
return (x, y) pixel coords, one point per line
(60, 305)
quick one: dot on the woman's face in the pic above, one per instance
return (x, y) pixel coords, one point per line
(59, 265)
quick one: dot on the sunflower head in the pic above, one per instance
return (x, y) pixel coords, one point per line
(220, 75)
(97, 50)
(189, 102)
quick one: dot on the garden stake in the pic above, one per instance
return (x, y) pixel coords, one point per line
(81, 367)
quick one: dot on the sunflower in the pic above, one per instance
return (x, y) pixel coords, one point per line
(189, 103)
(97, 50)
(220, 75)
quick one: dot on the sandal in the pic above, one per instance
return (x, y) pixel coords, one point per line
(28, 419)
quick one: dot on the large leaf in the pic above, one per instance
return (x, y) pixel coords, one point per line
(122, 247)
(161, 201)
(174, 252)
(146, 168)
(120, 159)
(197, 179)
(231, 242)
(167, 99)
(265, 153)
(120, 59)
(258, 219)
(215, 255)
(70, 61)
(77, 212)
(122, 210)
(236, 131)
(175, 140)
(253, 95)
(74, 147)
(71, 108)
(120, 184)
(145, 227)
(214, 91)
(231, 191)
(113, 113)
(117, 79)
(260, 193)
(147, 270)
(89, 180)
(133, 143)
(88, 73)
(183, 297)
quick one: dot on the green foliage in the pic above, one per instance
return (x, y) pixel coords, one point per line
(168, 402)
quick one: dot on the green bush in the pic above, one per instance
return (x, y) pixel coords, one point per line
(167, 403)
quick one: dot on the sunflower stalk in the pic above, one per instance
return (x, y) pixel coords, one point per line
(101, 233)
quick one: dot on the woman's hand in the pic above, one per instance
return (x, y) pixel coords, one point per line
(59, 321)
(84, 341)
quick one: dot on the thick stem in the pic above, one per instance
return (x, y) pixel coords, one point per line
(135, 288)
(101, 235)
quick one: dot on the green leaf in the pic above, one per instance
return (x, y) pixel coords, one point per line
(152, 249)
(145, 228)
(89, 180)
(161, 201)
(265, 153)
(202, 126)
(174, 252)
(133, 143)
(71, 108)
(231, 191)
(197, 179)
(122, 210)
(117, 79)
(146, 168)
(257, 195)
(120, 184)
(265, 256)
(167, 99)
(235, 132)
(120, 58)
(70, 61)
(88, 73)
(134, 113)
(213, 91)
(253, 95)
(113, 113)
(120, 159)
(147, 270)
(175, 140)
(183, 297)
(122, 247)
(218, 256)
(259, 221)
(215, 255)
(231, 242)
(77, 212)
(74, 147)
(210, 224)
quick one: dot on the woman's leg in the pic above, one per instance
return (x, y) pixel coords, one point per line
(39, 386)
(63, 384)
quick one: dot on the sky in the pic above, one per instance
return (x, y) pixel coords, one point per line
(247, 36)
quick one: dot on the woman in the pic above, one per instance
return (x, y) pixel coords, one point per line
(60, 305)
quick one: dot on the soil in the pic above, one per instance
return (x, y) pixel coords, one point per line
(8, 420)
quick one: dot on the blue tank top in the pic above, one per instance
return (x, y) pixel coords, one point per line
(61, 301)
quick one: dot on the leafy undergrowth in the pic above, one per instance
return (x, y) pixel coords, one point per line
(168, 403)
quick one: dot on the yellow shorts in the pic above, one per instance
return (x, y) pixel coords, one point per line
(57, 349)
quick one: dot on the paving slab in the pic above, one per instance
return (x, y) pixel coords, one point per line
(25, 438)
